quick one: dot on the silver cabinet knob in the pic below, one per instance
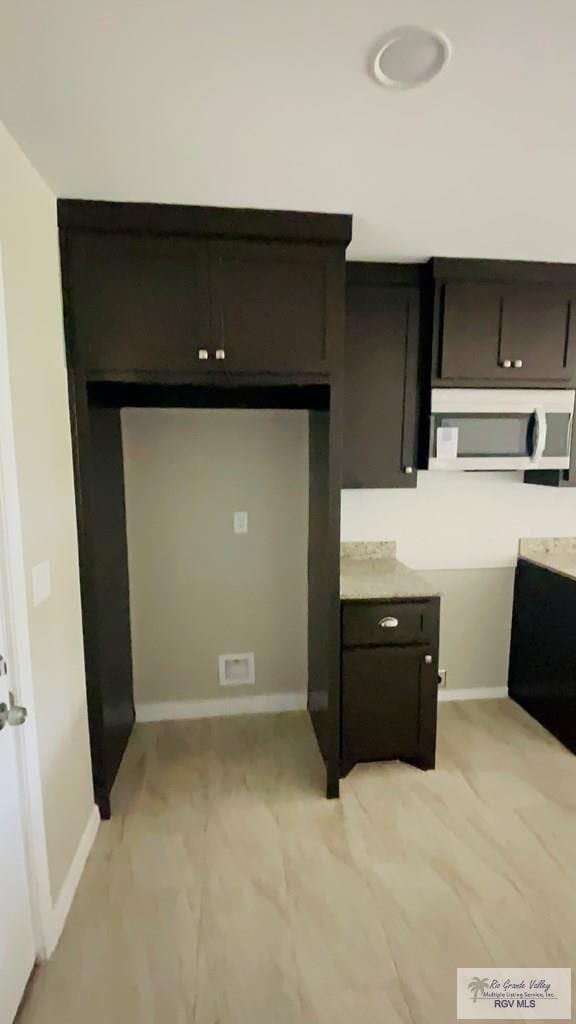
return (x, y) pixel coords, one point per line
(220, 353)
(389, 622)
(518, 364)
(408, 470)
(202, 353)
(428, 659)
(506, 364)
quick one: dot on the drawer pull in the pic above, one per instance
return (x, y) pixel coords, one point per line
(389, 622)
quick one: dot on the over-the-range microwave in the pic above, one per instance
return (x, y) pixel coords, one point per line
(475, 429)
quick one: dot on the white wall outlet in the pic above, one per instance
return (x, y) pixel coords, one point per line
(236, 669)
(41, 583)
(442, 677)
(240, 522)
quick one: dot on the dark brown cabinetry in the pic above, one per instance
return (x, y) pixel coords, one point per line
(542, 676)
(145, 303)
(138, 303)
(269, 306)
(503, 324)
(381, 375)
(198, 307)
(389, 681)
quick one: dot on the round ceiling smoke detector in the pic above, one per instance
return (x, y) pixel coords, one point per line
(408, 57)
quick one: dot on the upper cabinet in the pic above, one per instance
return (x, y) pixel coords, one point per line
(192, 291)
(381, 373)
(137, 303)
(271, 306)
(503, 323)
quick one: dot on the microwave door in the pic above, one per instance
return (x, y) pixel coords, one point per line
(477, 441)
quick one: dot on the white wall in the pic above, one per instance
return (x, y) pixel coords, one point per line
(459, 520)
(197, 589)
(29, 244)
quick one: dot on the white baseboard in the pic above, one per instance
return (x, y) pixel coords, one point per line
(169, 711)
(482, 693)
(61, 908)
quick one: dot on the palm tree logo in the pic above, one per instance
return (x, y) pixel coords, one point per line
(478, 986)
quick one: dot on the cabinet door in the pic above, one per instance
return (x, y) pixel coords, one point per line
(470, 332)
(389, 697)
(506, 333)
(271, 308)
(138, 303)
(380, 386)
(537, 333)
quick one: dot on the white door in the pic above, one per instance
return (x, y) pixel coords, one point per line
(17, 951)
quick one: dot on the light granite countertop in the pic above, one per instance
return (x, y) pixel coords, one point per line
(371, 572)
(555, 553)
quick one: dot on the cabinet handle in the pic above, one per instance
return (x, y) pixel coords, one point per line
(506, 364)
(202, 353)
(518, 364)
(408, 470)
(220, 353)
(428, 659)
(388, 623)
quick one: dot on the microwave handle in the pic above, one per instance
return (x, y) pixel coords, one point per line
(541, 431)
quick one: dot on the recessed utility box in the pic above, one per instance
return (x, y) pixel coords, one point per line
(236, 669)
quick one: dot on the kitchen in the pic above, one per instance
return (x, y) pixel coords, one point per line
(290, 508)
(453, 372)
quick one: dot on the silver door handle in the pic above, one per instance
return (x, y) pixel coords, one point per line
(518, 364)
(202, 353)
(17, 714)
(220, 353)
(12, 714)
(388, 623)
(506, 364)
(428, 659)
(409, 470)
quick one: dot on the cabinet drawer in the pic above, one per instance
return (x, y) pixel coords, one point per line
(377, 623)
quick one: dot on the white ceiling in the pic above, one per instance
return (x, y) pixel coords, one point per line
(261, 103)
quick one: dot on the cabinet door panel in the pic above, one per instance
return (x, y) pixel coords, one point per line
(470, 332)
(139, 303)
(536, 329)
(270, 310)
(380, 386)
(384, 696)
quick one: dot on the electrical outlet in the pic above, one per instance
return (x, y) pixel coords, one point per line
(442, 677)
(240, 522)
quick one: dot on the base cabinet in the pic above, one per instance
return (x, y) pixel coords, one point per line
(542, 676)
(390, 683)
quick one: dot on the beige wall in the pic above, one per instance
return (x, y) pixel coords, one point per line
(475, 624)
(197, 590)
(29, 244)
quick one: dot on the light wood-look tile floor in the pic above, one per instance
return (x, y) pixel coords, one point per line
(226, 890)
